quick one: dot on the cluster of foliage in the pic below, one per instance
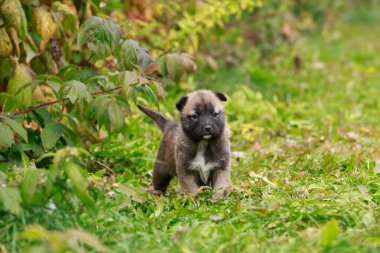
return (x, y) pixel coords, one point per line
(48, 57)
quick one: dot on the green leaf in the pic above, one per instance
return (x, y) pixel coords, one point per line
(144, 58)
(80, 184)
(18, 84)
(16, 127)
(11, 199)
(30, 53)
(55, 83)
(25, 160)
(22, 147)
(51, 134)
(151, 95)
(130, 54)
(132, 93)
(99, 110)
(43, 114)
(29, 185)
(5, 68)
(55, 86)
(100, 35)
(116, 116)
(70, 21)
(6, 136)
(75, 90)
(14, 16)
(157, 88)
(330, 232)
(127, 78)
(174, 66)
(110, 112)
(123, 101)
(126, 55)
(9, 102)
(6, 47)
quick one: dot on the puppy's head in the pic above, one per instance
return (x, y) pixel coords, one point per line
(202, 114)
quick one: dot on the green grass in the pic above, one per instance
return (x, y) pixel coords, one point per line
(310, 140)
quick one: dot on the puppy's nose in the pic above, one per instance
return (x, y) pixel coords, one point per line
(208, 129)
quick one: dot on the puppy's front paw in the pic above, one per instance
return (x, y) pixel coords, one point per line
(200, 190)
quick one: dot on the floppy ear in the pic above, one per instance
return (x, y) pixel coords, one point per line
(221, 96)
(181, 103)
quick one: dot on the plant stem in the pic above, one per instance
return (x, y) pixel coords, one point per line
(54, 102)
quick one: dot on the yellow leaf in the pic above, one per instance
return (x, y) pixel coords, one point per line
(45, 25)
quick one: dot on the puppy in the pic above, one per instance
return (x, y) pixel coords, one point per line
(197, 149)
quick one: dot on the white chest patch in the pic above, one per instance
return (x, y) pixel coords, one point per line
(199, 163)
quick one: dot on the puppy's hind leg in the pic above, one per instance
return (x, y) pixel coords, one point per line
(161, 178)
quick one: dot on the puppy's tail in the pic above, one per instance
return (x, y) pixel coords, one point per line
(159, 118)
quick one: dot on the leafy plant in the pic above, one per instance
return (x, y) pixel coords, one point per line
(115, 66)
(100, 35)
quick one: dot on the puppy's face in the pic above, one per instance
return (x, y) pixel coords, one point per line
(202, 114)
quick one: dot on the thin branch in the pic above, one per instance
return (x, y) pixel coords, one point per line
(105, 166)
(54, 102)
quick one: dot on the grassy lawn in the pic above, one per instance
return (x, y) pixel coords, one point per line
(306, 153)
(306, 157)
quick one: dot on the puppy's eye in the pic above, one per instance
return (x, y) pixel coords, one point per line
(193, 116)
(215, 114)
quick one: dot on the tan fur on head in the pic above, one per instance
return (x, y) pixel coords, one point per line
(202, 96)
